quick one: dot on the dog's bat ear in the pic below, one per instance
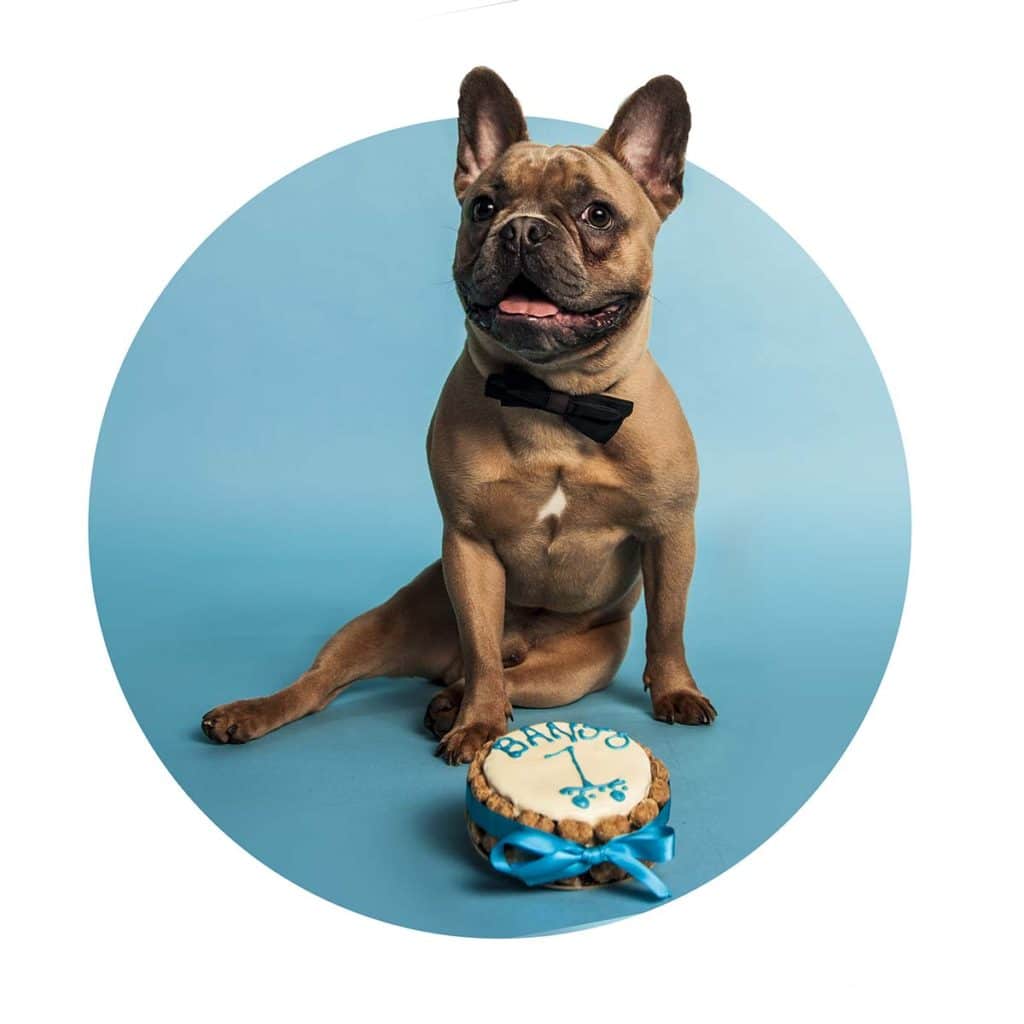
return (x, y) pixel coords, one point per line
(648, 137)
(490, 120)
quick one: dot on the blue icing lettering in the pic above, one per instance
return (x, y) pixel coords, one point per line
(557, 730)
(532, 734)
(509, 746)
(615, 740)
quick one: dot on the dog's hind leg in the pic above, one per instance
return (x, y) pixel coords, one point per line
(560, 670)
(412, 634)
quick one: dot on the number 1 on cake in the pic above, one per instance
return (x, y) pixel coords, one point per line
(587, 790)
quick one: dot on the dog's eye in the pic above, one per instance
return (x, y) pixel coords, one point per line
(598, 215)
(482, 209)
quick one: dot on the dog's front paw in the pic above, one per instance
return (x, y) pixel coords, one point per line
(460, 744)
(240, 721)
(685, 706)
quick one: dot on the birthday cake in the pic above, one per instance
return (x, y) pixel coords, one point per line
(570, 805)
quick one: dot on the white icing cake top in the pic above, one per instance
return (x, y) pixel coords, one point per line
(569, 770)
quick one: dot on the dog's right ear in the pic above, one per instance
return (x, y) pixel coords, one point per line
(490, 120)
(648, 137)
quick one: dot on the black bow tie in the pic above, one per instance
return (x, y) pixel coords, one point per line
(597, 416)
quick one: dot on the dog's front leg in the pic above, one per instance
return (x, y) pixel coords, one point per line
(667, 568)
(476, 586)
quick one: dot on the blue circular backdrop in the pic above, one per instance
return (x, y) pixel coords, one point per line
(260, 478)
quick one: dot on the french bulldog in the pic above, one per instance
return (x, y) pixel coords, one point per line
(563, 465)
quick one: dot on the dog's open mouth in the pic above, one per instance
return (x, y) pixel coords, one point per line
(525, 305)
(525, 299)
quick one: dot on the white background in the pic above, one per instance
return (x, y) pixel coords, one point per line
(884, 138)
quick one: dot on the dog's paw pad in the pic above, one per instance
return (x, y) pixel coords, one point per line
(684, 707)
(459, 745)
(442, 711)
(238, 722)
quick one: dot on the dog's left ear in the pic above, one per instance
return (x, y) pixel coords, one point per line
(490, 120)
(648, 137)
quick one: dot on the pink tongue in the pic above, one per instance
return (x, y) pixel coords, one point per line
(518, 305)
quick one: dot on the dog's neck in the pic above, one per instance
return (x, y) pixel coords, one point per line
(602, 371)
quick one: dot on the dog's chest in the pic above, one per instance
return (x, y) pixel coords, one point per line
(554, 506)
(541, 503)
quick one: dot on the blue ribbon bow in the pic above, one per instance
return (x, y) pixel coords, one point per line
(556, 858)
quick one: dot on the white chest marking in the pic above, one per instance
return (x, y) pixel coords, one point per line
(554, 506)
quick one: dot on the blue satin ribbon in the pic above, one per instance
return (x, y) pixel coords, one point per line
(556, 858)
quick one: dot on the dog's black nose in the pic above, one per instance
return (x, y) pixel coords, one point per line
(523, 233)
